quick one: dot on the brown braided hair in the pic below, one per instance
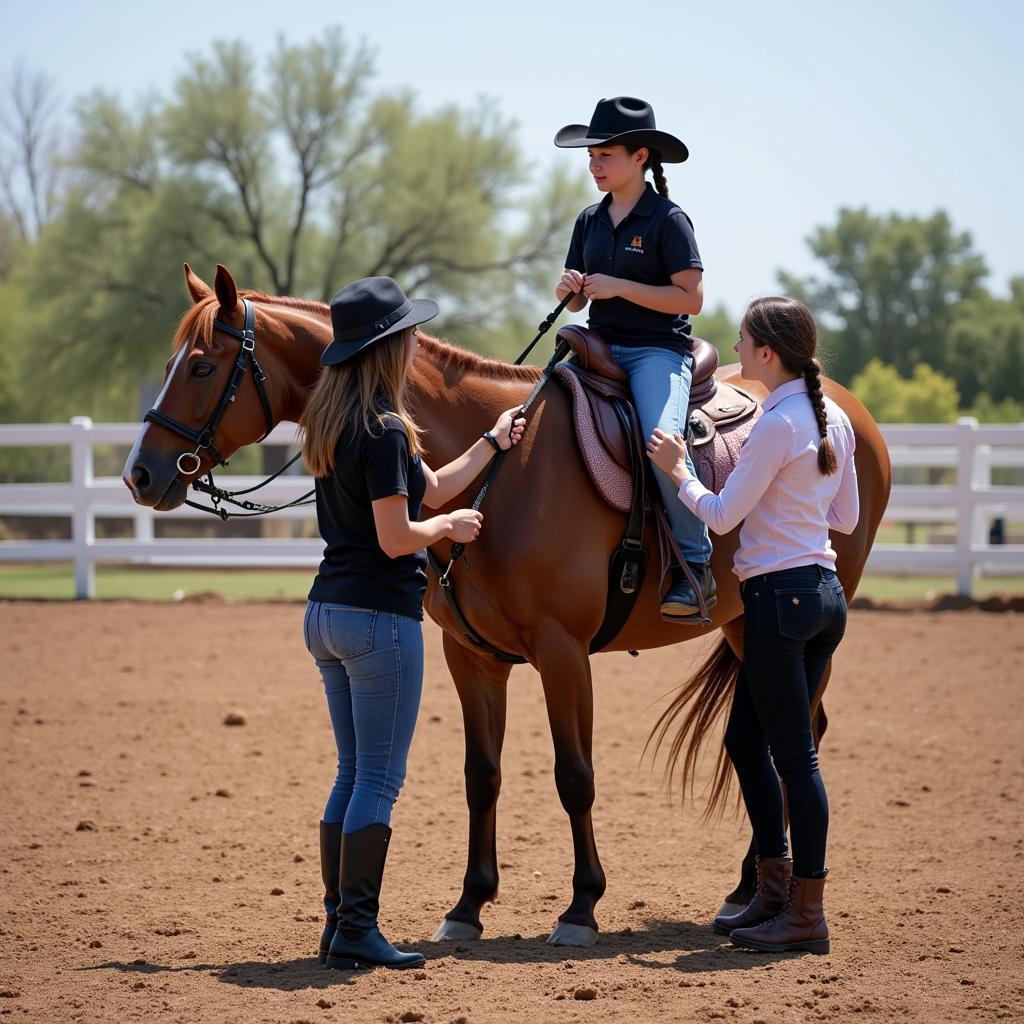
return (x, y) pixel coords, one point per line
(653, 164)
(787, 327)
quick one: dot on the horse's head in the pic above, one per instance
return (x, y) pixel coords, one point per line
(216, 397)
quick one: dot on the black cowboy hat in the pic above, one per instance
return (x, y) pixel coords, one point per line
(366, 311)
(621, 121)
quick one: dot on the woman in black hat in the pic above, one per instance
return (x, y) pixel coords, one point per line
(363, 619)
(633, 256)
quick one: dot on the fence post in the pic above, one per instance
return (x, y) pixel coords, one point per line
(83, 532)
(144, 524)
(966, 510)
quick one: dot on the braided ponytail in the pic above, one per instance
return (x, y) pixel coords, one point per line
(658, 173)
(653, 164)
(827, 461)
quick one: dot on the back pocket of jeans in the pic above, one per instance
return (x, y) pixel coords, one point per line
(350, 630)
(800, 613)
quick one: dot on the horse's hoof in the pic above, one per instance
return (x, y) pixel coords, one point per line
(572, 935)
(729, 909)
(459, 931)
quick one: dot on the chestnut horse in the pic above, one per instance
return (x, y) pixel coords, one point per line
(536, 580)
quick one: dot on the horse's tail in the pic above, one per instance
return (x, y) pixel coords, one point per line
(696, 707)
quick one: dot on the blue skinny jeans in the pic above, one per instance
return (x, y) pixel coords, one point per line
(372, 667)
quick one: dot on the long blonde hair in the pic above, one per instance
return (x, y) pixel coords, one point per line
(351, 393)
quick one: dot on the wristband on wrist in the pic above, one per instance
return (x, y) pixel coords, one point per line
(492, 441)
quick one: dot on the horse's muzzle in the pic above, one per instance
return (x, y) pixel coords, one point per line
(160, 490)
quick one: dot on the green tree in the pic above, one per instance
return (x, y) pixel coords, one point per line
(985, 410)
(889, 290)
(718, 327)
(10, 246)
(926, 397)
(300, 180)
(985, 347)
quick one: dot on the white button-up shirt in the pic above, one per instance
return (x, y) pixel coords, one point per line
(786, 503)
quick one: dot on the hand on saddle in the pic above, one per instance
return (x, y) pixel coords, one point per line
(668, 453)
(509, 428)
(571, 281)
(466, 525)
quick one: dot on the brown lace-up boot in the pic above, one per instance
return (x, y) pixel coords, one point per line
(800, 925)
(773, 875)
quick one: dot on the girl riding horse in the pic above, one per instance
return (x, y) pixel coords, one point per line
(633, 256)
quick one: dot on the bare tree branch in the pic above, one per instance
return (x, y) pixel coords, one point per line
(29, 163)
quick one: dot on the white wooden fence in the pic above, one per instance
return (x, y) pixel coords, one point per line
(971, 504)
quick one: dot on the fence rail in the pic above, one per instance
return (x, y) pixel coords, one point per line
(972, 503)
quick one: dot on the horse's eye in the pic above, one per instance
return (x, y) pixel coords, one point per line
(202, 370)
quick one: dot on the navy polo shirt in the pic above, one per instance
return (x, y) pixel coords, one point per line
(651, 243)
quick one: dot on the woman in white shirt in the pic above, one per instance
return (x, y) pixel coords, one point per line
(795, 479)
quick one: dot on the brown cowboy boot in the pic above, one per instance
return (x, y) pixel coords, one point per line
(773, 875)
(799, 926)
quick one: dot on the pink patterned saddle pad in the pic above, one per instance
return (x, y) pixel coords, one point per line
(714, 460)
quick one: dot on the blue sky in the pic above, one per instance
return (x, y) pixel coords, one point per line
(790, 110)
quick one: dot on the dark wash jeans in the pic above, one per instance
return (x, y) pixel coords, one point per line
(794, 620)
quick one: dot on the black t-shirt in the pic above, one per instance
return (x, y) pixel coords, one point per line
(355, 571)
(651, 243)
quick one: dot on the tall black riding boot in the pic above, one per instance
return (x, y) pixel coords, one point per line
(357, 940)
(330, 869)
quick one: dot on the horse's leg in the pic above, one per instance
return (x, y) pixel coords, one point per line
(481, 682)
(564, 667)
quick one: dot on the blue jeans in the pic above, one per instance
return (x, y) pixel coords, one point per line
(793, 622)
(660, 382)
(372, 666)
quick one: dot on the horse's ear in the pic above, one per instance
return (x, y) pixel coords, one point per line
(197, 287)
(224, 286)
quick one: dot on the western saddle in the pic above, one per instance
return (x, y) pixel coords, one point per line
(613, 446)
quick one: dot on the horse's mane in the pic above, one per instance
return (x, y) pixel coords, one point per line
(196, 325)
(451, 357)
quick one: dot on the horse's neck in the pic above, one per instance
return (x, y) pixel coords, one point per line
(295, 357)
(453, 412)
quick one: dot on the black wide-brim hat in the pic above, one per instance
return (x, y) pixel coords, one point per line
(366, 311)
(621, 121)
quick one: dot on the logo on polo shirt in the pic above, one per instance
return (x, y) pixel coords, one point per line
(636, 245)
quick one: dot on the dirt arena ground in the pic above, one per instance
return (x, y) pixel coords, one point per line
(159, 865)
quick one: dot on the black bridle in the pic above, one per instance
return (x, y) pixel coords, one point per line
(203, 439)
(189, 462)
